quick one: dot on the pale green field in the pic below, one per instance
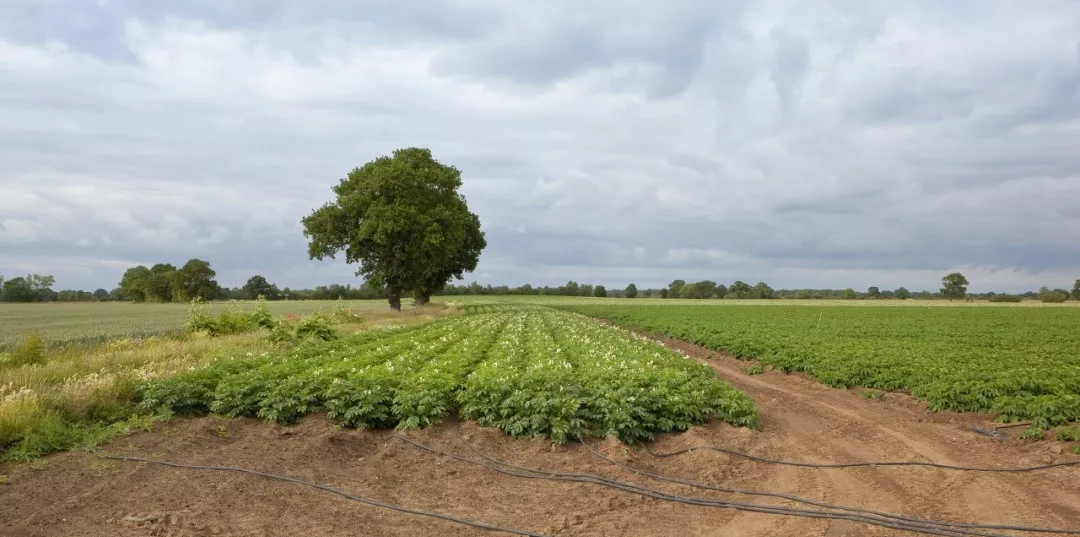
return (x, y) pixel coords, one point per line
(92, 322)
(571, 300)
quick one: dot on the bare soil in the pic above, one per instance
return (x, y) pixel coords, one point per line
(82, 494)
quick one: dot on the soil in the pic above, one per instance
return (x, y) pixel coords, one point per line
(83, 494)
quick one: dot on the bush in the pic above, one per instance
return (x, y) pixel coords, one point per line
(31, 350)
(316, 326)
(1005, 298)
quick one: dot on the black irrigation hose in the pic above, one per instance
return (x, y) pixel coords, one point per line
(642, 491)
(861, 464)
(548, 475)
(822, 504)
(346, 495)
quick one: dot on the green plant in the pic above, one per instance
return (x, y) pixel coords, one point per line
(755, 369)
(1033, 432)
(872, 394)
(261, 314)
(1069, 434)
(315, 326)
(31, 350)
(1005, 298)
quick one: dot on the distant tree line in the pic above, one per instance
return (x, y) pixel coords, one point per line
(164, 282)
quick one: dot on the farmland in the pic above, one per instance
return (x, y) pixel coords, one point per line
(531, 372)
(1017, 363)
(98, 322)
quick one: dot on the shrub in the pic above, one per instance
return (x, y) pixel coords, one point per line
(1069, 434)
(1005, 298)
(316, 326)
(261, 316)
(31, 350)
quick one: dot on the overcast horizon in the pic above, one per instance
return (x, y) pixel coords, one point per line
(825, 144)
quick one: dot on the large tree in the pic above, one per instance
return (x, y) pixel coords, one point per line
(631, 291)
(195, 280)
(403, 221)
(954, 285)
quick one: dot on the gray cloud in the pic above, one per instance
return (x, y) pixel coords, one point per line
(844, 143)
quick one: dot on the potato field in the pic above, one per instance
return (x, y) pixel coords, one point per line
(1017, 363)
(531, 372)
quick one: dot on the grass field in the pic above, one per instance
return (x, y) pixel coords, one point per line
(96, 322)
(1020, 363)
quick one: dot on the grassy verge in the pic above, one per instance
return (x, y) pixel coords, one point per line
(76, 397)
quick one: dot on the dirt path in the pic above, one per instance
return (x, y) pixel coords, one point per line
(79, 494)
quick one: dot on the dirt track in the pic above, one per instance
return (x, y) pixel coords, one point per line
(80, 494)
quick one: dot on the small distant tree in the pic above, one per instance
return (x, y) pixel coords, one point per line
(1053, 297)
(926, 295)
(740, 289)
(902, 293)
(762, 290)
(630, 291)
(1076, 290)
(954, 286)
(599, 291)
(849, 294)
(101, 294)
(195, 280)
(803, 294)
(257, 286)
(721, 291)
(873, 292)
(663, 293)
(675, 288)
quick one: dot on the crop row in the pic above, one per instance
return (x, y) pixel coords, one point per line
(1020, 364)
(529, 371)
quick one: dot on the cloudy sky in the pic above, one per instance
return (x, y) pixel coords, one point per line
(804, 143)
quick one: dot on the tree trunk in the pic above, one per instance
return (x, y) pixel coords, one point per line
(395, 302)
(423, 299)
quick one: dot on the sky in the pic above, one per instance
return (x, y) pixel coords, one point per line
(808, 144)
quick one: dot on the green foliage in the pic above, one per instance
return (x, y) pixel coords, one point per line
(1075, 291)
(849, 294)
(630, 291)
(29, 288)
(954, 285)
(529, 371)
(1055, 296)
(873, 292)
(755, 369)
(1005, 298)
(1033, 432)
(257, 286)
(1017, 363)
(232, 320)
(902, 293)
(872, 394)
(403, 221)
(315, 326)
(1069, 434)
(599, 291)
(31, 350)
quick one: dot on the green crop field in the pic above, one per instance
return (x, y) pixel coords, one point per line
(1019, 363)
(528, 371)
(95, 322)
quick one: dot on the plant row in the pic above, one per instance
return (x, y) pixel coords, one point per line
(529, 371)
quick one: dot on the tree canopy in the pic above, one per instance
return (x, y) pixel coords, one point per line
(954, 285)
(403, 221)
